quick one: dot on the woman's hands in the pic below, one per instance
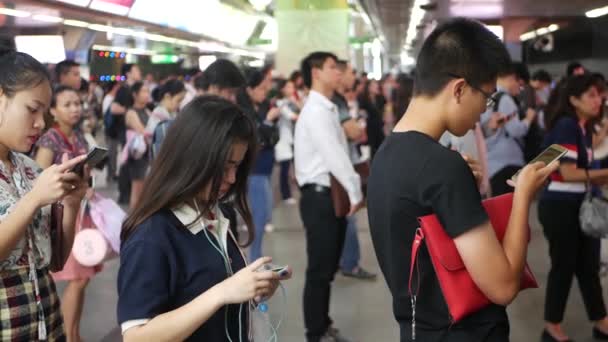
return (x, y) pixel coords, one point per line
(57, 183)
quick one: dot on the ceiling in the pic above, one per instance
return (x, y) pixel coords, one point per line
(391, 17)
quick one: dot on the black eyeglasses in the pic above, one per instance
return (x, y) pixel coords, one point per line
(490, 98)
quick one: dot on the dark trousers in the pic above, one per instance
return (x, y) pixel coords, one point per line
(498, 182)
(284, 179)
(572, 253)
(324, 240)
(124, 185)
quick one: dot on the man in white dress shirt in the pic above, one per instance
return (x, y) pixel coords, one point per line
(321, 149)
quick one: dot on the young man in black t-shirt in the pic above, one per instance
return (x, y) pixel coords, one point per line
(413, 175)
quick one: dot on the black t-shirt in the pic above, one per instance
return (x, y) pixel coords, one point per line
(412, 176)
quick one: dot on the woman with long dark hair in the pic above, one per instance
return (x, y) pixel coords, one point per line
(572, 109)
(30, 305)
(64, 138)
(182, 274)
(372, 102)
(252, 99)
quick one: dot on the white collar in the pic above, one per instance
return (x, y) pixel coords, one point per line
(321, 99)
(187, 216)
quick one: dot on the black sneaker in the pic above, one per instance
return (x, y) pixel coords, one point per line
(360, 273)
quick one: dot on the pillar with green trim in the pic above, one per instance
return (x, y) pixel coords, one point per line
(310, 25)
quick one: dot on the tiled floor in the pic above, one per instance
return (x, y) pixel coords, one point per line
(361, 310)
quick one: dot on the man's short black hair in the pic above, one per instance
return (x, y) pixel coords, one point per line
(508, 70)
(459, 48)
(542, 76)
(222, 73)
(314, 60)
(64, 67)
(126, 68)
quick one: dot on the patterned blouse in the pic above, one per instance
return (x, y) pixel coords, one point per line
(55, 141)
(12, 188)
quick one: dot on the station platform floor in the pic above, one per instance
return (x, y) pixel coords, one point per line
(361, 309)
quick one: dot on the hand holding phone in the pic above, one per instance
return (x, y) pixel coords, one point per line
(94, 158)
(552, 154)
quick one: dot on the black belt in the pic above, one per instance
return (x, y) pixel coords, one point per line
(316, 188)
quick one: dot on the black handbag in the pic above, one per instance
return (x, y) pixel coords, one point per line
(58, 255)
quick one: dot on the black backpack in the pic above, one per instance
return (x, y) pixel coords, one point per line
(533, 140)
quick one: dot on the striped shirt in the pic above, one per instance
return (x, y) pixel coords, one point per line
(569, 134)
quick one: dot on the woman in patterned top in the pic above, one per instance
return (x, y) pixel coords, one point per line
(60, 139)
(30, 307)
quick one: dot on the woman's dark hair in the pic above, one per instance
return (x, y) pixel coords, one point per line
(295, 75)
(84, 85)
(60, 90)
(203, 133)
(171, 87)
(559, 104)
(222, 73)
(281, 83)
(124, 97)
(19, 71)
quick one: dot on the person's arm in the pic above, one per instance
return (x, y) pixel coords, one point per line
(515, 127)
(117, 109)
(44, 157)
(352, 129)
(496, 269)
(454, 197)
(50, 186)
(144, 292)
(133, 122)
(327, 142)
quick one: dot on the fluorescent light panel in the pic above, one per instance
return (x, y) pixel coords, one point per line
(47, 18)
(14, 13)
(598, 12)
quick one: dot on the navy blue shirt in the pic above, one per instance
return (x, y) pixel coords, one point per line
(568, 133)
(164, 266)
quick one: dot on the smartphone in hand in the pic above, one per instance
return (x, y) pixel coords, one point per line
(94, 158)
(551, 154)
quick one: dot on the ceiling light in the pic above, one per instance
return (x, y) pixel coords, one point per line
(539, 32)
(598, 12)
(14, 13)
(47, 18)
(75, 23)
(260, 5)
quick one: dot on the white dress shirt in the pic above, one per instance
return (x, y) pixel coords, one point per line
(321, 148)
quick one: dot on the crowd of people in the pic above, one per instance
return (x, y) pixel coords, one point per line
(194, 155)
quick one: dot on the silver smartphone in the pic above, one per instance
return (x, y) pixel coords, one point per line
(551, 154)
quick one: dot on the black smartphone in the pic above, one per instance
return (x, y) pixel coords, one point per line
(94, 158)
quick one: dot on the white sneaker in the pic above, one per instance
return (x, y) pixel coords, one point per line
(269, 228)
(290, 201)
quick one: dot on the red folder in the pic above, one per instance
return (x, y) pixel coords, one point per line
(461, 294)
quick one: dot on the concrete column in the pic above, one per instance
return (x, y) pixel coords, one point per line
(513, 28)
(310, 25)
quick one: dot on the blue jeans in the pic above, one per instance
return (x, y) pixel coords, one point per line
(350, 252)
(260, 200)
